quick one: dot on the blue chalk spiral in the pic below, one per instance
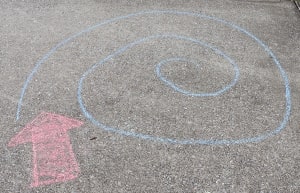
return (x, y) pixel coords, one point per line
(169, 83)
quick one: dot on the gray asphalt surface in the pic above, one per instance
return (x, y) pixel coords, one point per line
(171, 142)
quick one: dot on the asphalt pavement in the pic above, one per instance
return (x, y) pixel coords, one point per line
(195, 96)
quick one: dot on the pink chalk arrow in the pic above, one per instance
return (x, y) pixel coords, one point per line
(53, 157)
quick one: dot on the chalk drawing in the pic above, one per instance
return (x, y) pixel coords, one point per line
(53, 157)
(89, 116)
(167, 82)
(189, 93)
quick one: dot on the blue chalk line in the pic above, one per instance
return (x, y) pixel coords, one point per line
(189, 93)
(88, 115)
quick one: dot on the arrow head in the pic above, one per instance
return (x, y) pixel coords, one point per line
(45, 122)
(49, 120)
(24, 136)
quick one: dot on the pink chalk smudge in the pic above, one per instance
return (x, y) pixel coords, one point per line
(53, 157)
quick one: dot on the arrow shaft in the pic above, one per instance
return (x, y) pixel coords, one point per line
(53, 159)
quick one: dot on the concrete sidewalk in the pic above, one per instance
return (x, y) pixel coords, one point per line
(162, 96)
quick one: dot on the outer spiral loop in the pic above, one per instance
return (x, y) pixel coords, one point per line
(89, 116)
